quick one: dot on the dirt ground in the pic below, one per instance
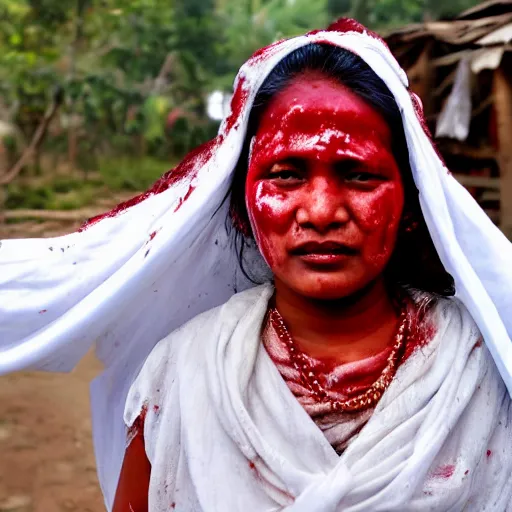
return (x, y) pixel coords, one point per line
(46, 455)
(47, 461)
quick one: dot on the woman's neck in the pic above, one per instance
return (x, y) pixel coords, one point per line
(346, 330)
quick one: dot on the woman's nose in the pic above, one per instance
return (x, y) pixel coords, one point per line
(323, 206)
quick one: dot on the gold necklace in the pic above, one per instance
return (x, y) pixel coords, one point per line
(362, 401)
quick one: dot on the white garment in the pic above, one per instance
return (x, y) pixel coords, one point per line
(127, 281)
(224, 432)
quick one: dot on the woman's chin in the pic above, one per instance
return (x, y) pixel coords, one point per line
(328, 289)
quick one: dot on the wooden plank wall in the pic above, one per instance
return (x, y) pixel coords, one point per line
(503, 104)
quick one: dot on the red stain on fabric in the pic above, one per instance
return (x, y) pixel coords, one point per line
(187, 169)
(183, 199)
(444, 471)
(152, 235)
(421, 331)
(265, 52)
(137, 427)
(43, 311)
(478, 343)
(237, 104)
(173, 505)
(350, 25)
(156, 408)
(489, 453)
(466, 472)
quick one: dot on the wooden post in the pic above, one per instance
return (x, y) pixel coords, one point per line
(421, 77)
(503, 105)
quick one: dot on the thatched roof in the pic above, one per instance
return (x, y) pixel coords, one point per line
(459, 32)
(456, 68)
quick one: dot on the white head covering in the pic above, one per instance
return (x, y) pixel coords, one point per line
(144, 269)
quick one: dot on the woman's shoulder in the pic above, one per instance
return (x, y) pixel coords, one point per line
(187, 341)
(442, 310)
(204, 324)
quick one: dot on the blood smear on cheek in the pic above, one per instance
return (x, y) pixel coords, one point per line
(375, 209)
(265, 209)
(270, 202)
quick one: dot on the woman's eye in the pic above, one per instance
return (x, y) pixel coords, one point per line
(285, 175)
(362, 177)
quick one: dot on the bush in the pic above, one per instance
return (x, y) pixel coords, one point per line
(32, 198)
(70, 192)
(63, 193)
(130, 173)
(74, 199)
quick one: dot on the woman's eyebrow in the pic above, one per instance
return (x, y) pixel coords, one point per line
(298, 163)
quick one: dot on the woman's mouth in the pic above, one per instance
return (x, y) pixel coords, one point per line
(324, 253)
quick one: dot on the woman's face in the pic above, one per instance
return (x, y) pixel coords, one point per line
(323, 192)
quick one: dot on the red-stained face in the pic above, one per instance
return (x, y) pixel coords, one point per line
(323, 192)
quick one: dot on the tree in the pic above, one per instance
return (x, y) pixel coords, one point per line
(338, 8)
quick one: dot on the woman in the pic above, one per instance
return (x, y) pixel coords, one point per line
(325, 189)
(351, 379)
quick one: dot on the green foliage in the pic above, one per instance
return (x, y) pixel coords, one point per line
(248, 26)
(22, 196)
(60, 193)
(69, 192)
(394, 13)
(338, 8)
(136, 74)
(131, 174)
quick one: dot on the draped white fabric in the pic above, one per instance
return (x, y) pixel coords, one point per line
(223, 431)
(130, 279)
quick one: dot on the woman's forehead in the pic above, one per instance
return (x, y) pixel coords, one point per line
(311, 102)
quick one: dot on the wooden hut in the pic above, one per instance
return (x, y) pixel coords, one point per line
(462, 71)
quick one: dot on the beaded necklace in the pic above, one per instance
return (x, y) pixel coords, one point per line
(362, 401)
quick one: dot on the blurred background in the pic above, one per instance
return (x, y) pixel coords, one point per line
(99, 97)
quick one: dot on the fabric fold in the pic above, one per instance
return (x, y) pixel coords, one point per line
(426, 447)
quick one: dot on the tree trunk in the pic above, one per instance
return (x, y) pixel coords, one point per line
(36, 141)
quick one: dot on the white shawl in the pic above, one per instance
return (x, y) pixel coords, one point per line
(128, 280)
(224, 432)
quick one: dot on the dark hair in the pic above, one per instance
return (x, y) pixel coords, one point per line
(415, 262)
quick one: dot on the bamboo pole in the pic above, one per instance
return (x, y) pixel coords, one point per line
(503, 105)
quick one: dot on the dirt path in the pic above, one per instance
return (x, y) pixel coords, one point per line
(47, 462)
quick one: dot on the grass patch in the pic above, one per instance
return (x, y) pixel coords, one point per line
(71, 192)
(51, 196)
